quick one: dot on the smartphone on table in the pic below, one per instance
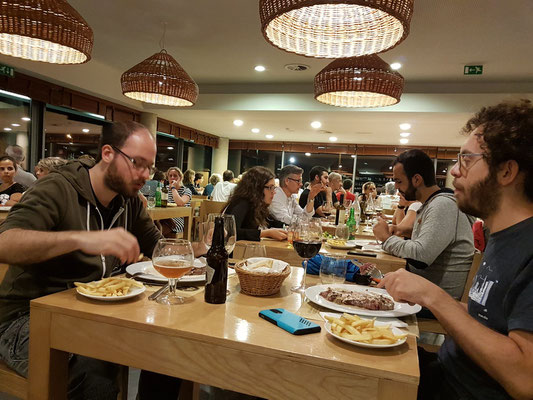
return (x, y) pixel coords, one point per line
(289, 321)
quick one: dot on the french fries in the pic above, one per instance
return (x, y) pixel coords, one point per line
(336, 242)
(362, 330)
(108, 287)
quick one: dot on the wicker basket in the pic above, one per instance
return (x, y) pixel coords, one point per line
(256, 284)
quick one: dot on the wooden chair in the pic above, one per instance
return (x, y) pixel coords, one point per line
(434, 326)
(209, 207)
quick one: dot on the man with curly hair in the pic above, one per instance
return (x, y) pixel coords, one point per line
(488, 353)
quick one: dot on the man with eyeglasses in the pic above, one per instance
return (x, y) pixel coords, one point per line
(284, 205)
(77, 224)
(441, 247)
(488, 352)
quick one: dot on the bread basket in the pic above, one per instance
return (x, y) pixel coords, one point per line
(260, 284)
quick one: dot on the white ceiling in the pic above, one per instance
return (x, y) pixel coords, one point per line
(219, 42)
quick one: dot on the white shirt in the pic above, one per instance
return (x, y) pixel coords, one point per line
(223, 191)
(283, 208)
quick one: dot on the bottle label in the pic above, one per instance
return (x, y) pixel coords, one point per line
(209, 273)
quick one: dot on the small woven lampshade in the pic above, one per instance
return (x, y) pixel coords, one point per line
(365, 81)
(160, 80)
(44, 30)
(335, 28)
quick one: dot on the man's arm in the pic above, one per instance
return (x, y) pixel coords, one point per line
(21, 246)
(507, 358)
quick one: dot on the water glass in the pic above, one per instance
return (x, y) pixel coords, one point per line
(151, 202)
(254, 250)
(342, 232)
(333, 270)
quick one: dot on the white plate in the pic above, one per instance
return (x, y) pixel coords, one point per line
(395, 331)
(149, 272)
(400, 309)
(5, 208)
(132, 293)
(349, 245)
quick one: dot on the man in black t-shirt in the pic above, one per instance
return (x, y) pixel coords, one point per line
(488, 353)
(317, 176)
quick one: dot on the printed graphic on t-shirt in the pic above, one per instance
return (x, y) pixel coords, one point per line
(479, 292)
(3, 199)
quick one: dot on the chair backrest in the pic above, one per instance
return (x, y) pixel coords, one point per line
(210, 207)
(473, 271)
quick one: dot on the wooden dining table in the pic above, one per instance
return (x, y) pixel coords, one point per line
(226, 346)
(186, 213)
(281, 250)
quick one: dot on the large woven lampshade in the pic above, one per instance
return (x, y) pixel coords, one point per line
(335, 28)
(160, 80)
(365, 81)
(44, 30)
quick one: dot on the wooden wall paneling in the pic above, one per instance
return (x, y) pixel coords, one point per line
(84, 103)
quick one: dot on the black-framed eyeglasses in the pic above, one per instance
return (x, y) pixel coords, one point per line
(295, 180)
(272, 188)
(138, 165)
(466, 160)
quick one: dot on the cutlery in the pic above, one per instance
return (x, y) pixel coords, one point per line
(158, 293)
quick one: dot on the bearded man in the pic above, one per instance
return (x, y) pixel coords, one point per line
(76, 224)
(441, 247)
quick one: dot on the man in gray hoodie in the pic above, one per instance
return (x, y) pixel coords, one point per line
(442, 244)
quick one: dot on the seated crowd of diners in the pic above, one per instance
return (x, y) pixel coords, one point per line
(488, 351)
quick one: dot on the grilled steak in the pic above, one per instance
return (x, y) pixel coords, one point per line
(197, 271)
(368, 300)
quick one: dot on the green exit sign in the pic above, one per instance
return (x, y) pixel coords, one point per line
(7, 71)
(473, 69)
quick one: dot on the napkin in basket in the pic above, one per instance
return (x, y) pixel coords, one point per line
(264, 265)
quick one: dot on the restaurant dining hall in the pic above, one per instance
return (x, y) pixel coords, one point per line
(266, 199)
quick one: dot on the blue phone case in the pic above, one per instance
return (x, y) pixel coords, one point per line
(290, 322)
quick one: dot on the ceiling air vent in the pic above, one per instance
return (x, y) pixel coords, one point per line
(297, 67)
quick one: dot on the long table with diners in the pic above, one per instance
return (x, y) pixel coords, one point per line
(226, 345)
(158, 213)
(283, 251)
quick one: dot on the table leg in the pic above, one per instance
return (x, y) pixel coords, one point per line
(187, 227)
(48, 368)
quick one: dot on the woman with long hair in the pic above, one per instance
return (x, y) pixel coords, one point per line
(10, 192)
(188, 181)
(369, 191)
(249, 204)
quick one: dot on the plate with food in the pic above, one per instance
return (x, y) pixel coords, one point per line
(363, 332)
(361, 300)
(197, 274)
(340, 244)
(110, 289)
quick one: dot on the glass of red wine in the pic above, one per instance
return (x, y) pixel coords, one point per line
(307, 241)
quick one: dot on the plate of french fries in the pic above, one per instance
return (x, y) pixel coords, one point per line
(364, 332)
(110, 289)
(340, 244)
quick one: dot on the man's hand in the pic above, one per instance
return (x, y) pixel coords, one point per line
(381, 230)
(409, 288)
(115, 242)
(314, 190)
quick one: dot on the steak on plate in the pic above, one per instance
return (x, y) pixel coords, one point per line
(367, 300)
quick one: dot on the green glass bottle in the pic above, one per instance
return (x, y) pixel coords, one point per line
(351, 224)
(158, 195)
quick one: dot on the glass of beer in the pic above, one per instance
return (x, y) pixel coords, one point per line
(172, 258)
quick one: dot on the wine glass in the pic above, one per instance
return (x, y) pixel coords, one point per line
(342, 232)
(378, 205)
(150, 201)
(369, 210)
(230, 231)
(307, 242)
(172, 258)
(327, 209)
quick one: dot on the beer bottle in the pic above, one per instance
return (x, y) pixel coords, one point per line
(351, 224)
(217, 266)
(158, 195)
(164, 195)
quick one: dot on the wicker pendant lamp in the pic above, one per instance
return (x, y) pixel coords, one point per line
(160, 80)
(365, 81)
(44, 30)
(335, 28)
